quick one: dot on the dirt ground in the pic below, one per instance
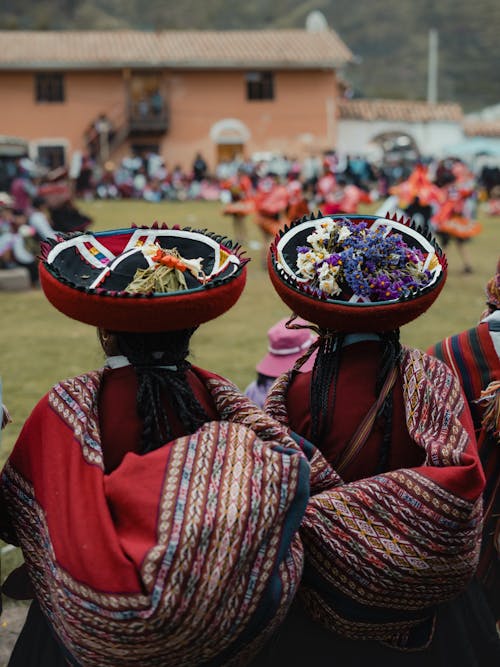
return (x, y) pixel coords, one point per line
(11, 622)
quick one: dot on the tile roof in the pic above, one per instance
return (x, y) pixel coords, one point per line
(171, 48)
(398, 110)
(482, 128)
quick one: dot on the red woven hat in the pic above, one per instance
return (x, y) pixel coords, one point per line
(356, 273)
(143, 279)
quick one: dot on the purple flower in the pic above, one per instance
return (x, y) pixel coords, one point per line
(371, 263)
(334, 259)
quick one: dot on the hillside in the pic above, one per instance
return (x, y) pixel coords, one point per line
(390, 37)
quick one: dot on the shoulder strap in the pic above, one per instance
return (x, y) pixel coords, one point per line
(364, 429)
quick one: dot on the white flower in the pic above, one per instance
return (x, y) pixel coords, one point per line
(327, 225)
(149, 249)
(329, 286)
(327, 270)
(306, 264)
(327, 275)
(317, 239)
(194, 265)
(344, 233)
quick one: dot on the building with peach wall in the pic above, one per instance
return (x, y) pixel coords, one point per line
(220, 93)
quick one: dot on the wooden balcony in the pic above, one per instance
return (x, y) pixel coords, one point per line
(147, 122)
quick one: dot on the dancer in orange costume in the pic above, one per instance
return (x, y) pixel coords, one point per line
(298, 205)
(241, 204)
(418, 184)
(456, 216)
(271, 204)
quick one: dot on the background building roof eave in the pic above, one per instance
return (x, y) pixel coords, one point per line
(60, 65)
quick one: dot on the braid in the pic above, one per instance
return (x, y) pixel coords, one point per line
(161, 367)
(390, 357)
(324, 377)
(324, 386)
(147, 409)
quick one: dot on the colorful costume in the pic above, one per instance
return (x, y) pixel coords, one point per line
(392, 530)
(240, 189)
(474, 360)
(186, 553)
(377, 561)
(241, 203)
(271, 206)
(418, 184)
(154, 562)
(456, 214)
(452, 219)
(345, 200)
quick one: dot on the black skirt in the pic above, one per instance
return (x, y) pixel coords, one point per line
(36, 645)
(464, 636)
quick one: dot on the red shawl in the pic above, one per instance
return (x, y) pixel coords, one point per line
(472, 357)
(382, 551)
(184, 555)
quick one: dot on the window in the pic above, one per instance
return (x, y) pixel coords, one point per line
(260, 85)
(49, 87)
(51, 156)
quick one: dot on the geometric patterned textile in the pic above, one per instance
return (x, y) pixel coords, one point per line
(473, 358)
(186, 555)
(381, 552)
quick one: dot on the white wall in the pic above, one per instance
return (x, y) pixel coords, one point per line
(355, 136)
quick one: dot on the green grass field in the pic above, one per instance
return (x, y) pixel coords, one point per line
(40, 346)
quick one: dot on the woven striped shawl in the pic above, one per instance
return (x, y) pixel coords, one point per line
(187, 555)
(474, 360)
(382, 552)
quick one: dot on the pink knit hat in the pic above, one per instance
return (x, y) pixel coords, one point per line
(285, 347)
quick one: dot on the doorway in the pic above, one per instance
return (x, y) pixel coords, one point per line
(228, 152)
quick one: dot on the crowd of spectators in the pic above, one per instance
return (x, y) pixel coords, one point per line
(33, 209)
(31, 212)
(149, 177)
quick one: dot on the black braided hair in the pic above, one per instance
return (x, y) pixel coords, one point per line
(151, 354)
(324, 386)
(324, 375)
(391, 353)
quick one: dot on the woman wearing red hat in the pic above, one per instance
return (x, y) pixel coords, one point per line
(392, 529)
(136, 491)
(474, 357)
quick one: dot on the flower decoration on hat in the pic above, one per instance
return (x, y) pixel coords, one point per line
(356, 272)
(374, 265)
(143, 279)
(167, 272)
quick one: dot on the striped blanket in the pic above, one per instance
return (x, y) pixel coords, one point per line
(474, 360)
(381, 552)
(192, 557)
(187, 555)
